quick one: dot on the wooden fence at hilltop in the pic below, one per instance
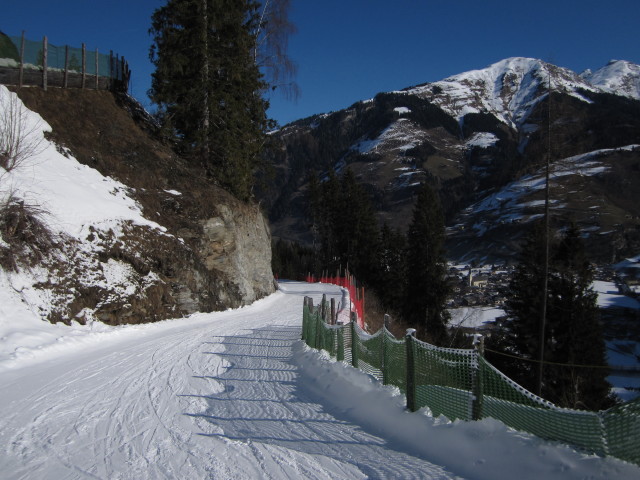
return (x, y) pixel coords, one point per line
(65, 70)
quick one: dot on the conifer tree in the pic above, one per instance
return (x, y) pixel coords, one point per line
(517, 335)
(358, 229)
(314, 207)
(427, 286)
(392, 268)
(208, 85)
(328, 214)
(345, 222)
(573, 335)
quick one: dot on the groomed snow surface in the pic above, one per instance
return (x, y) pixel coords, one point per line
(238, 395)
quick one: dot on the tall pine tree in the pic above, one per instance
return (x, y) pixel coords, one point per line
(573, 335)
(358, 229)
(208, 85)
(344, 221)
(392, 268)
(427, 288)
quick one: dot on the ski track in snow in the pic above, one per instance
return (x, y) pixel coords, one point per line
(237, 395)
(214, 399)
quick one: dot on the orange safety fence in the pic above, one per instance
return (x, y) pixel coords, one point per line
(356, 295)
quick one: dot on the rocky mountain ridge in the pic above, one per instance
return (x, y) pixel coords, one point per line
(470, 136)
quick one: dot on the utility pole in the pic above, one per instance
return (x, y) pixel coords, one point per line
(545, 283)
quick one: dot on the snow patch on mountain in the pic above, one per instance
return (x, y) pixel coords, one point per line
(513, 203)
(401, 136)
(618, 76)
(482, 140)
(510, 88)
(402, 110)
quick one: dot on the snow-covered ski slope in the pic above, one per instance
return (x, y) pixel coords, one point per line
(237, 395)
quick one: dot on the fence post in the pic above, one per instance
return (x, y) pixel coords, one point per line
(317, 324)
(44, 63)
(411, 369)
(97, 86)
(340, 352)
(21, 74)
(311, 341)
(84, 64)
(333, 311)
(305, 319)
(354, 340)
(383, 363)
(66, 67)
(323, 308)
(476, 407)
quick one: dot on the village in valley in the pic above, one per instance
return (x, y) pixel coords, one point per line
(479, 294)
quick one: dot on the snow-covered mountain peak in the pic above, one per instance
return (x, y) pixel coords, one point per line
(508, 89)
(618, 76)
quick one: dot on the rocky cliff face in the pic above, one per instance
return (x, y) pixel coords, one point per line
(186, 246)
(236, 243)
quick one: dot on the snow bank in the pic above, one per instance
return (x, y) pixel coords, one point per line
(72, 195)
(477, 450)
(74, 198)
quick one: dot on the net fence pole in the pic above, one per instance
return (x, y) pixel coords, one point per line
(323, 307)
(66, 67)
(84, 65)
(97, 86)
(333, 311)
(44, 63)
(476, 407)
(111, 72)
(305, 319)
(410, 370)
(354, 340)
(340, 353)
(21, 72)
(383, 353)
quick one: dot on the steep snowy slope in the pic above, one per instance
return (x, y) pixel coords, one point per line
(135, 234)
(490, 229)
(618, 76)
(508, 89)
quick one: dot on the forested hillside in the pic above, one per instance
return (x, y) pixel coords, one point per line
(481, 140)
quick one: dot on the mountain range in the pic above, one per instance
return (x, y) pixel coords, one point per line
(482, 140)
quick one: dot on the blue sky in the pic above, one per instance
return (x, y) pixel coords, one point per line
(349, 50)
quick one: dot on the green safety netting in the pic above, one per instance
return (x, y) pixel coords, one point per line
(461, 384)
(56, 55)
(444, 380)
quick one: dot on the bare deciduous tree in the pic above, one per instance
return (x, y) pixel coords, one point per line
(272, 38)
(24, 236)
(20, 138)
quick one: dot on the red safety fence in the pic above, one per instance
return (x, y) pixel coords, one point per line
(356, 295)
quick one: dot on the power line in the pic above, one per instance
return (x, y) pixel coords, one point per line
(629, 368)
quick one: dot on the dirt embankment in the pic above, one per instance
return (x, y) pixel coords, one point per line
(216, 251)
